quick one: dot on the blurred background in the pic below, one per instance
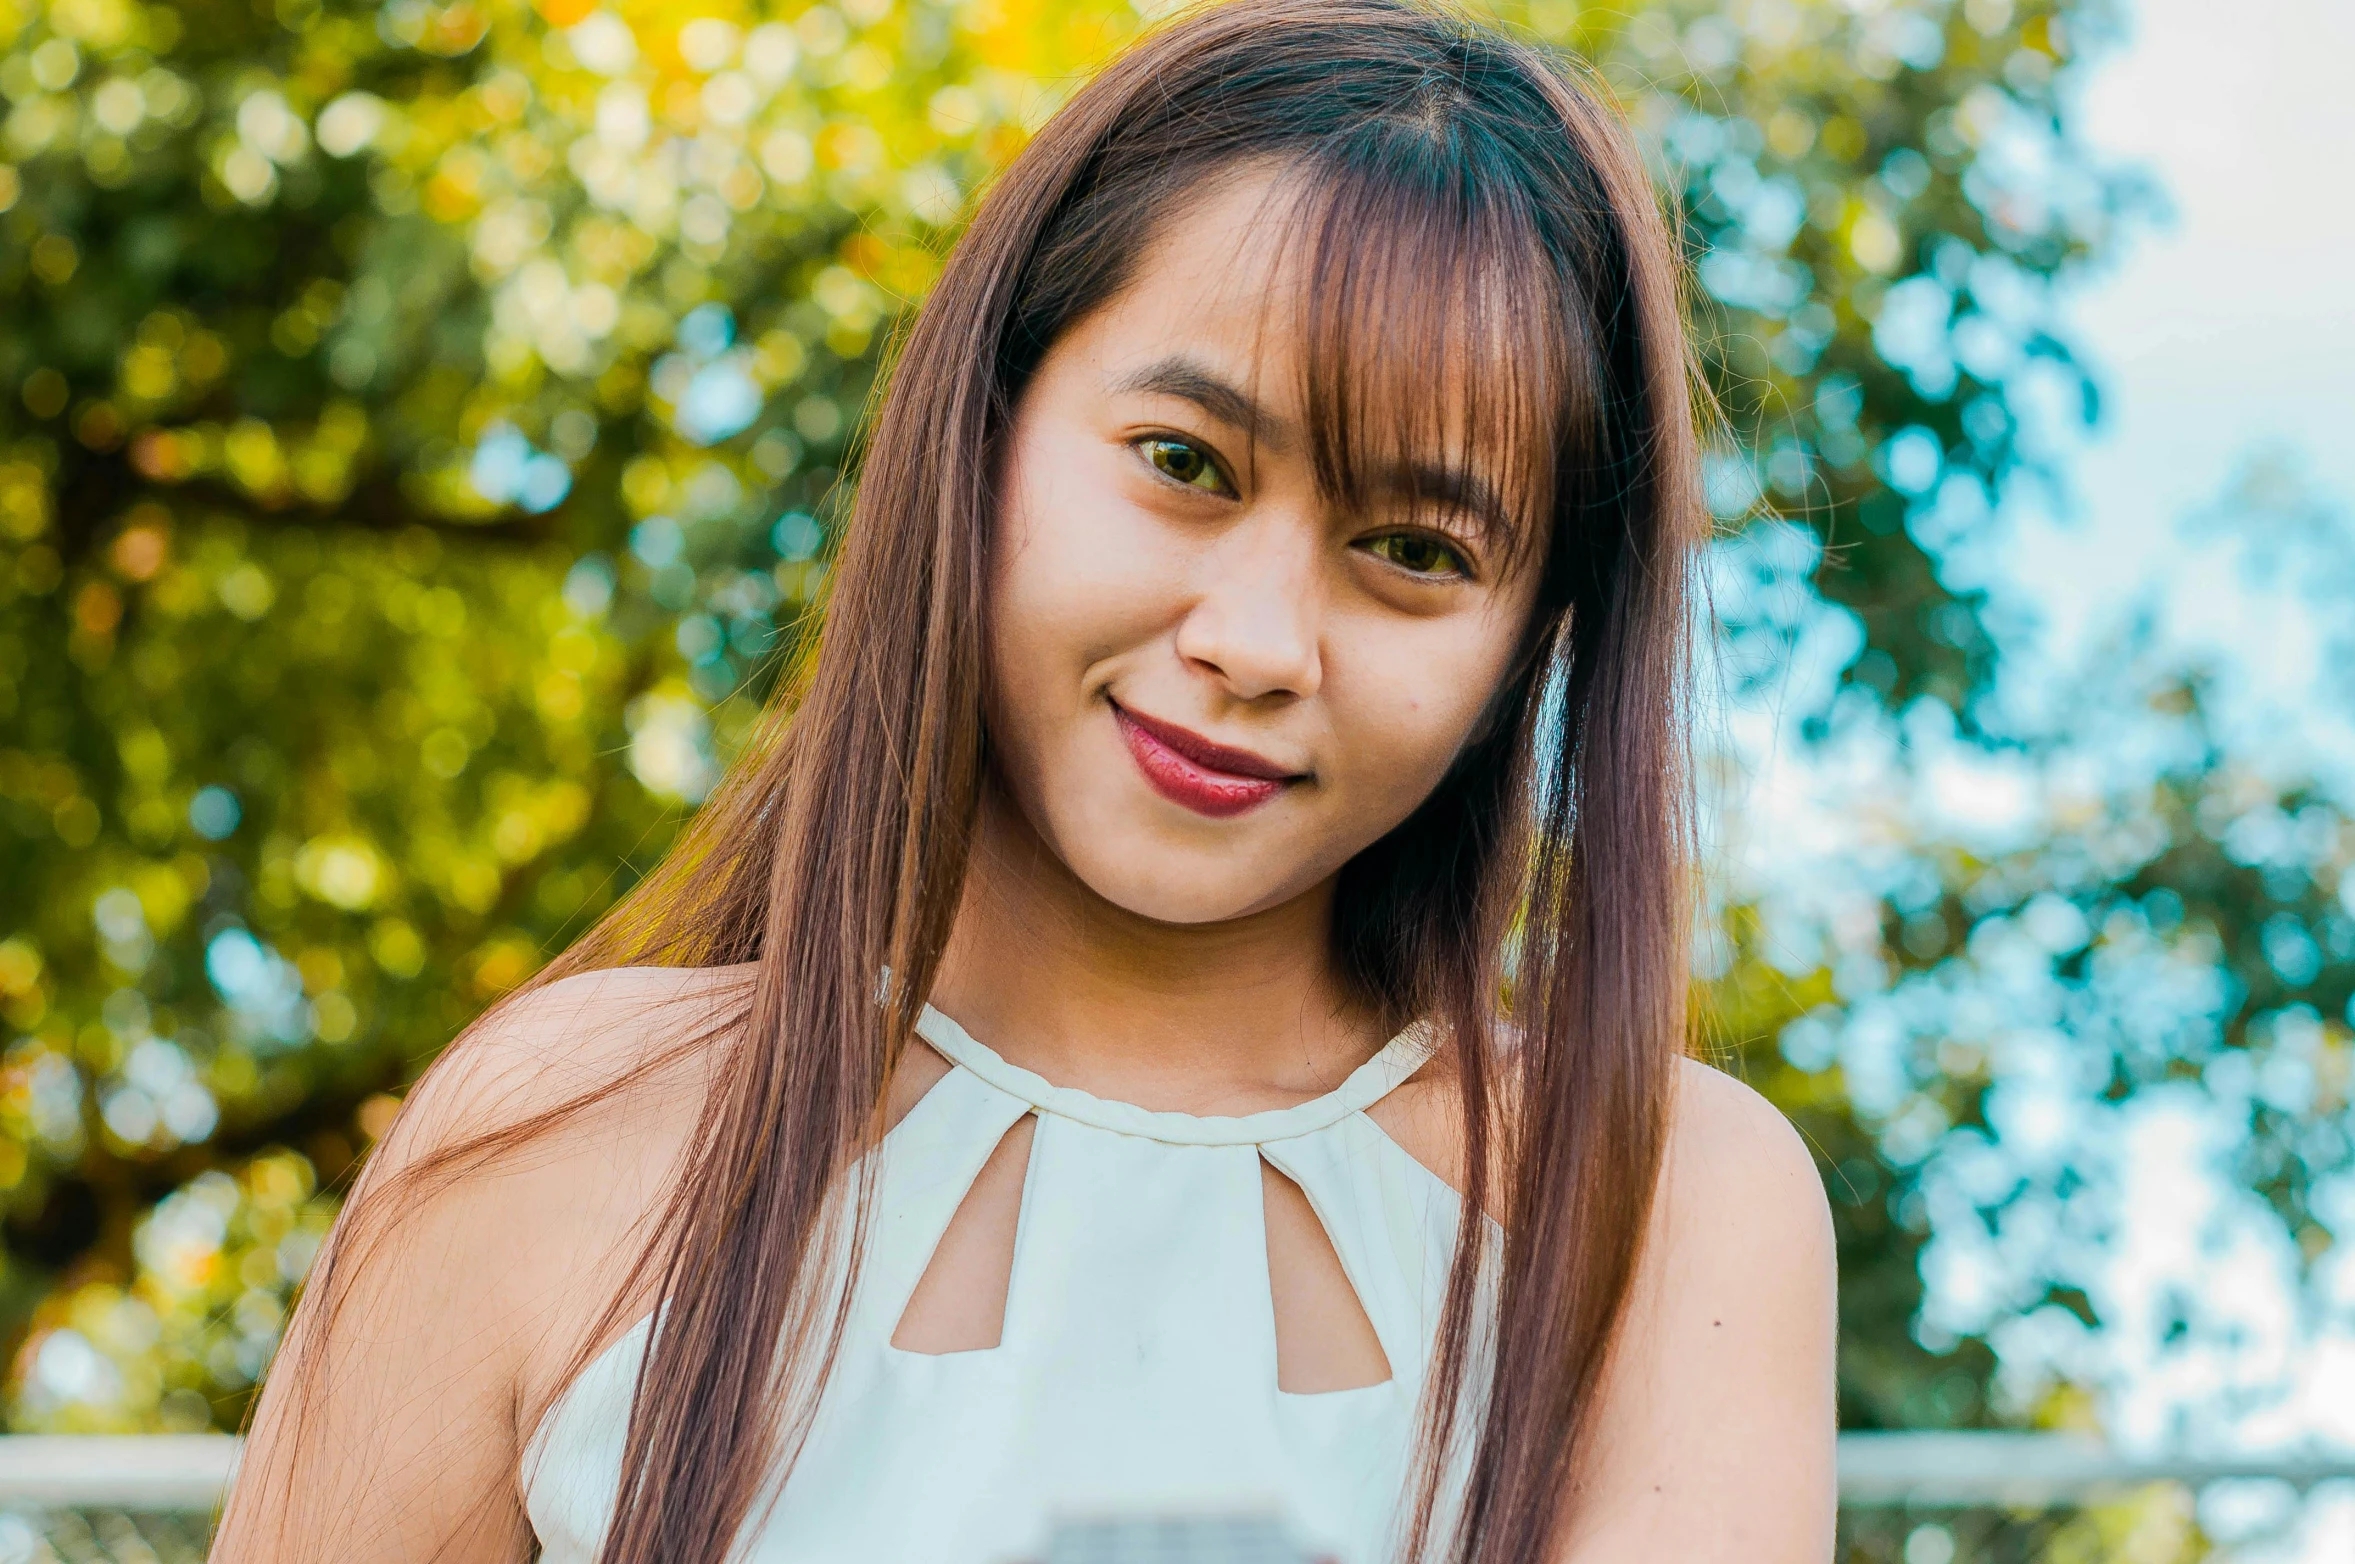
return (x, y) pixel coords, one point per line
(422, 428)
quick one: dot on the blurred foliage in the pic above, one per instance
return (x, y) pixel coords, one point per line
(218, 1261)
(103, 1537)
(2155, 1525)
(1957, 1055)
(424, 422)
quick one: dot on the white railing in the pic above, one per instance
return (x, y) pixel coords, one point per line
(182, 1473)
(2042, 1471)
(159, 1473)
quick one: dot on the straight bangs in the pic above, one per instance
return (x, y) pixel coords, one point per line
(1445, 377)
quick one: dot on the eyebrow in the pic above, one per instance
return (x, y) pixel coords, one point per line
(1223, 400)
(1455, 489)
(1190, 381)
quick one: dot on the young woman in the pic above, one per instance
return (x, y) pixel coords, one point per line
(1186, 1008)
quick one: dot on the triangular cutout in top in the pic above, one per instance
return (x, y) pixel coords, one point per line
(959, 1304)
(1324, 1339)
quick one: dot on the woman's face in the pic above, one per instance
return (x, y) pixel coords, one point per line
(1211, 687)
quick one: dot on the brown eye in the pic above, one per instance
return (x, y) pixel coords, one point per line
(1186, 462)
(1418, 554)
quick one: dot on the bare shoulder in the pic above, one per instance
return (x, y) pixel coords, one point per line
(528, 1167)
(636, 1037)
(1739, 1220)
(1733, 1159)
(490, 1248)
(1714, 1419)
(1715, 1423)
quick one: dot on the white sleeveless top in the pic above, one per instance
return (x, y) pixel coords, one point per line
(1136, 1374)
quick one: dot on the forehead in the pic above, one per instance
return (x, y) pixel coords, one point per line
(1382, 329)
(1214, 259)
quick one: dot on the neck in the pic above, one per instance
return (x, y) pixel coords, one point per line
(1229, 1017)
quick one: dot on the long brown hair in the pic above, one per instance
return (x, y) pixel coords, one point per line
(832, 859)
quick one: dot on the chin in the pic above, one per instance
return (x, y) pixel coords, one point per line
(1180, 887)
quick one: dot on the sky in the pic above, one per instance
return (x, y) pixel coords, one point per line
(2223, 335)
(2234, 328)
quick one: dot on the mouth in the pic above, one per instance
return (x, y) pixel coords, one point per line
(1188, 769)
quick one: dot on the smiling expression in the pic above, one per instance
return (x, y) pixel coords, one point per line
(1211, 682)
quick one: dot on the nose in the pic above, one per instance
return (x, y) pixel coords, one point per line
(1256, 621)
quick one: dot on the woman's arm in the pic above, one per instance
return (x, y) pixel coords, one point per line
(1715, 1434)
(393, 1420)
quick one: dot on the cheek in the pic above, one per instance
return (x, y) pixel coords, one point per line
(1076, 582)
(1405, 707)
(1058, 566)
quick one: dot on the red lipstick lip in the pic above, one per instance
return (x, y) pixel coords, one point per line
(1203, 753)
(1188, 769)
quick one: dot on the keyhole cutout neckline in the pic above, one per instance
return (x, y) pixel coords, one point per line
(1366, 1085)
(1140, 1351)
